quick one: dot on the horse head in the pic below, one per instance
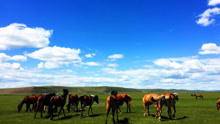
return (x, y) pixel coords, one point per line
(65, 92)
(175, 96)
(96, 98)
(19, 108)
(114, 93)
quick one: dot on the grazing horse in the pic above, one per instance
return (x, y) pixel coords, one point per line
(218, 104)
(88, 101)
(43, 100)
(28, 100)
(197, 95)
(170, 101)
(112, 103)
(73, 100)
(156, 100)
(124, 98)
(57, 101)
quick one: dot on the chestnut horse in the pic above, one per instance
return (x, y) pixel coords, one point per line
(218, 104)
(43, 100)
(170, 101)
(197, 95)
(73, 100)
(88, 101)
(124, 98)
(57, 101)
(112, 103)
(28, 100)
(156, 100)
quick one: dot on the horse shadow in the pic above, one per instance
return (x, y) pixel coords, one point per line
(164, 118)
(95, 115)
(124, 121)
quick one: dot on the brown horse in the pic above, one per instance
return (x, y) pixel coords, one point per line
(88, 101)
(112, 103)
(73, 100)
(218, 104)
(198, 95)
(28, 100)
(57, 101)
(170, 101)
(124, 98)
(150, 99)
(43, 100)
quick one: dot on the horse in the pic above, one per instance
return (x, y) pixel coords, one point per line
(124, 98)
(88, 101)
(170, 101)
(28, 100)
(218, 104)
(198, 95)
(43, 100)
(112, 103)
(73, 100)
(57, 101)
(156, 100)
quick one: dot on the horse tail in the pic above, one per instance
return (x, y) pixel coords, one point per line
(68, 105)
(50, 109)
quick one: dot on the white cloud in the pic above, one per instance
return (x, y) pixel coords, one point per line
(206, 17)
(115, 57)
(55, 57)
(113, 65)
(4, 57)
(92, 64)
(210, 48)
(90, 55)
(19, 35)
(8, 66)
(213, 2)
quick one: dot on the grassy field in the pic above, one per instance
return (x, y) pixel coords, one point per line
(189, 110)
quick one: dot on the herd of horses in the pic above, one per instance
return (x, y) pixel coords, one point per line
(51, 102)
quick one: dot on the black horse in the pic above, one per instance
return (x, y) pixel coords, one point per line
(88, 101)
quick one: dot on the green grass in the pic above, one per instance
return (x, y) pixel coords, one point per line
(189, 110)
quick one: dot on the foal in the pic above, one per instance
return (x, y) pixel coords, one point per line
(124, 98)
(112, 103)
(73, 100)
(170, 101)
(158, 102)
(57, 101)
(88, 101)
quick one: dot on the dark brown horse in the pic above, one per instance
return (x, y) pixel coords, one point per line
(124, 98)
(88, 101)
(198, 95)
(43, 100)
(170, 101)
(218, 104)
(112, 103)
(28, 100)
(72, 101)
(57, 101)
(156, 100)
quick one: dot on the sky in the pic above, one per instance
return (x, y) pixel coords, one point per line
(123, 43)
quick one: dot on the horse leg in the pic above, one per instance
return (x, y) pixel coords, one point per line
(83, 106)
(63, 112)
(117, 113)
(59, 112)
(144, 110)
(89, 110)
(119, 109)
(148, 110)
(35, 114)
(113, 115)
(170, 113)
(26, 107)
(174, 109)
(107, 112)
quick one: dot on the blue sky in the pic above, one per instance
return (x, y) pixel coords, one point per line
(126, 43)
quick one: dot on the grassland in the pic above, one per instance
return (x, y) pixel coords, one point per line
(189, 111)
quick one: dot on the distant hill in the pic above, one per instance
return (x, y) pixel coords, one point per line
(103, 89)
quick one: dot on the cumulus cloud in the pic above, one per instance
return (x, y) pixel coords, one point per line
(210, 48)
(4, 57)
(90, 55)
(115, 57)
(213, 2)
(92, 64)
(206, 17)
(55, 57)
(113, 65)
(19, 35)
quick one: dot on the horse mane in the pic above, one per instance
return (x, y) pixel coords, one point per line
(21, 103)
